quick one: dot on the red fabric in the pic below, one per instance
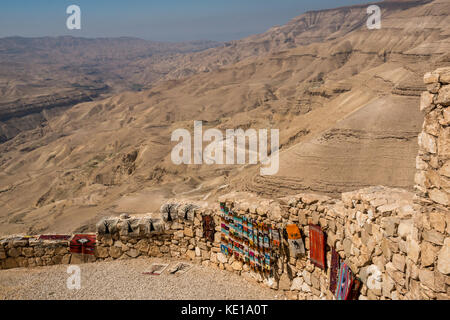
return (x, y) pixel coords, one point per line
(317, 246)
(62, 237)
(83, 243)
(335, 265)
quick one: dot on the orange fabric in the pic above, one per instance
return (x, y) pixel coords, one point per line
(293, 231)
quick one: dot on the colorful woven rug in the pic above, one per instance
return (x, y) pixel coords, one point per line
(247, 240)
(345, 282)
(317, 246)
(296, 246)
(335, 264)
(83, 243)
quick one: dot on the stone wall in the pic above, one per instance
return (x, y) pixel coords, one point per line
(375, 226)
(18, 251)
(433, 187)
(369, 228)
(178, 237)
(397, 243)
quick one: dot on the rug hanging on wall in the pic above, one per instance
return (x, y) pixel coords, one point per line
(335, 264)
(208, 228)
(345, 282)
(247, 240)
(317, 246)
(83, 243)
(296, 246)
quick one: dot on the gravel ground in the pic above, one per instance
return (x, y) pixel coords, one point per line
(123, 279)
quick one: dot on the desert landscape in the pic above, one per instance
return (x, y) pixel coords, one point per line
(86, 147)
(344, 98)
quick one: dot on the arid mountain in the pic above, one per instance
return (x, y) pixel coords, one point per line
(344, 98)
(52, 74)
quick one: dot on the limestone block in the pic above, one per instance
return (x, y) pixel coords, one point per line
(178, 234)
(284, 282)
(431, 279)
(443, 143)
(297, 284)
(66, 258)
(57, 259)
(444, 75)
(427, 143)
(445, 169)
(154, 251)
(429, 254)
(61, 250)
(397, 276)
(15, 252)
(306, 288)
(437, 221)
(222, 258)
(388, 285)
(28, 252)
(434, 87)
(413, 250)
(142, 246)
(20, 243)
(443, 97)
(426, 102)
(205, 255)
(433, 236)
(347, 243)
(133, 253)
(236, 265)
(306, 277)
(431, 77)
(9, 263)
(315, 282)
(188, 231)
(399, 262)
(443, 263)
(405, 228)
(386, 248)
(164, 249)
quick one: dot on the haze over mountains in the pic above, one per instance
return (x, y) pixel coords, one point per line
(345, 99)
(48, 74)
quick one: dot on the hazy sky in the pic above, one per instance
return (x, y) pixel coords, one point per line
(162, 20)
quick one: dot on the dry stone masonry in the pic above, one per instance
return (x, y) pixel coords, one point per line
(395, 242)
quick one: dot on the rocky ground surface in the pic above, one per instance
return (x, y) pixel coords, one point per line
(124, 279)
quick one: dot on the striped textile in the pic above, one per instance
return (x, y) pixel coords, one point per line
(61, 237)
(317, 246)
(247, 240)
(345, 282)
